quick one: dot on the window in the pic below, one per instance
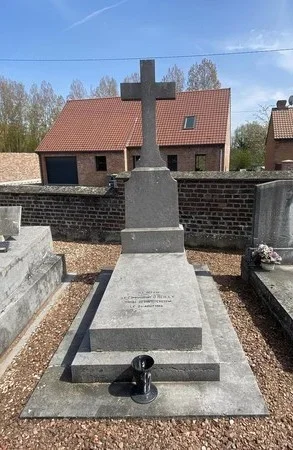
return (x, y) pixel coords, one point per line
(200, 162)
(189, 122)
(135, 158)
(172, 162)
(101, 163)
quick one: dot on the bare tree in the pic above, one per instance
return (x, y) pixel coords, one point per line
(264, 113)
(77, 90)
(43, 107)
(133, 78)
(203, 76)
(107, 87)
(13, 103)
(177, 75)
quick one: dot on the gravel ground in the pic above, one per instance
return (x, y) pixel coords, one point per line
(269, 352)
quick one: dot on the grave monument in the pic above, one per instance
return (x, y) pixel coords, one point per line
(29, 273)
(273, 217)
(273, 225)
(154, 303)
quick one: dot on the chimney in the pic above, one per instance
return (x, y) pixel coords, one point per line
(281, 104)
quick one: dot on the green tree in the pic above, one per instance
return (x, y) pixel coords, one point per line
(248, 146)
(107, 87)
(77, 90)
(203, 76)
(177, 75)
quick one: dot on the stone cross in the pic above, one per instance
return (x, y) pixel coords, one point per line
(148, 91)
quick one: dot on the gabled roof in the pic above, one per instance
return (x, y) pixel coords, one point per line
(283, 123)
(107, 124)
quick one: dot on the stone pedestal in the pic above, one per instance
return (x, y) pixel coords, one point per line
(151, 213)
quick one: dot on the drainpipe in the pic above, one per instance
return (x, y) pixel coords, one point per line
(221, 163)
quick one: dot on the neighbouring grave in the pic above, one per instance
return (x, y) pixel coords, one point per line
(29, 273)
(153, 303)
(273, 225)
(10, 218)
(273, 217)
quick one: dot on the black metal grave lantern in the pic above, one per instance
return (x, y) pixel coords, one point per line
(143, 391)
(4, 245)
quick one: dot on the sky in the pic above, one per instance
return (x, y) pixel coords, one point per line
(75, 29)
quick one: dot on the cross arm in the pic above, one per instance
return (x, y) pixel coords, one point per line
(130, 91)
(165, 91)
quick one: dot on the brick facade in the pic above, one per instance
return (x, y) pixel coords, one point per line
(89, 176)
(216, 210)
(277, 150)
(186, 156)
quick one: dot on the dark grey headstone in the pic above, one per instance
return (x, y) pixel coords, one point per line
(273, 215)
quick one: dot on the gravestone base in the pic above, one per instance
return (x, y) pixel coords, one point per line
(235, 394)
(153, 240)
(144, 307)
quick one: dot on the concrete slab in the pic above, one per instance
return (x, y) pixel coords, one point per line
(30, 295)
(275, 289)
(26, 253)
(13, 350)
(236, 394)
(145, 308)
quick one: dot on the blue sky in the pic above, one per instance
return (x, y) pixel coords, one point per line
(147, 28)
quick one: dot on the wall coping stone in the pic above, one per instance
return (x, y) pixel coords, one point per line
(58, 190)
(261, 176)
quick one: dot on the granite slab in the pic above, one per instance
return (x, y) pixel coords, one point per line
(149, 304)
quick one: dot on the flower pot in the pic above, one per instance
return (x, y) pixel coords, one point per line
(268, 267)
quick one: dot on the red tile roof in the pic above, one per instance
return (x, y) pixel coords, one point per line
(283, 123)
(112, 124)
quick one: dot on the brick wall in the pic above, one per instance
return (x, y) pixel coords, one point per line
(216, 212)
(72, 212)
(287, 165)
(216, 209)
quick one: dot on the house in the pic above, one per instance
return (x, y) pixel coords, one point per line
(93, 138)
(279, 141)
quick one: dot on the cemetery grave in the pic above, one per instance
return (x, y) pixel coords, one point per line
(154, 302)
(29, 273)
(273, 225)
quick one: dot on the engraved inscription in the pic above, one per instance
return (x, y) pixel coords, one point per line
(148, 299)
